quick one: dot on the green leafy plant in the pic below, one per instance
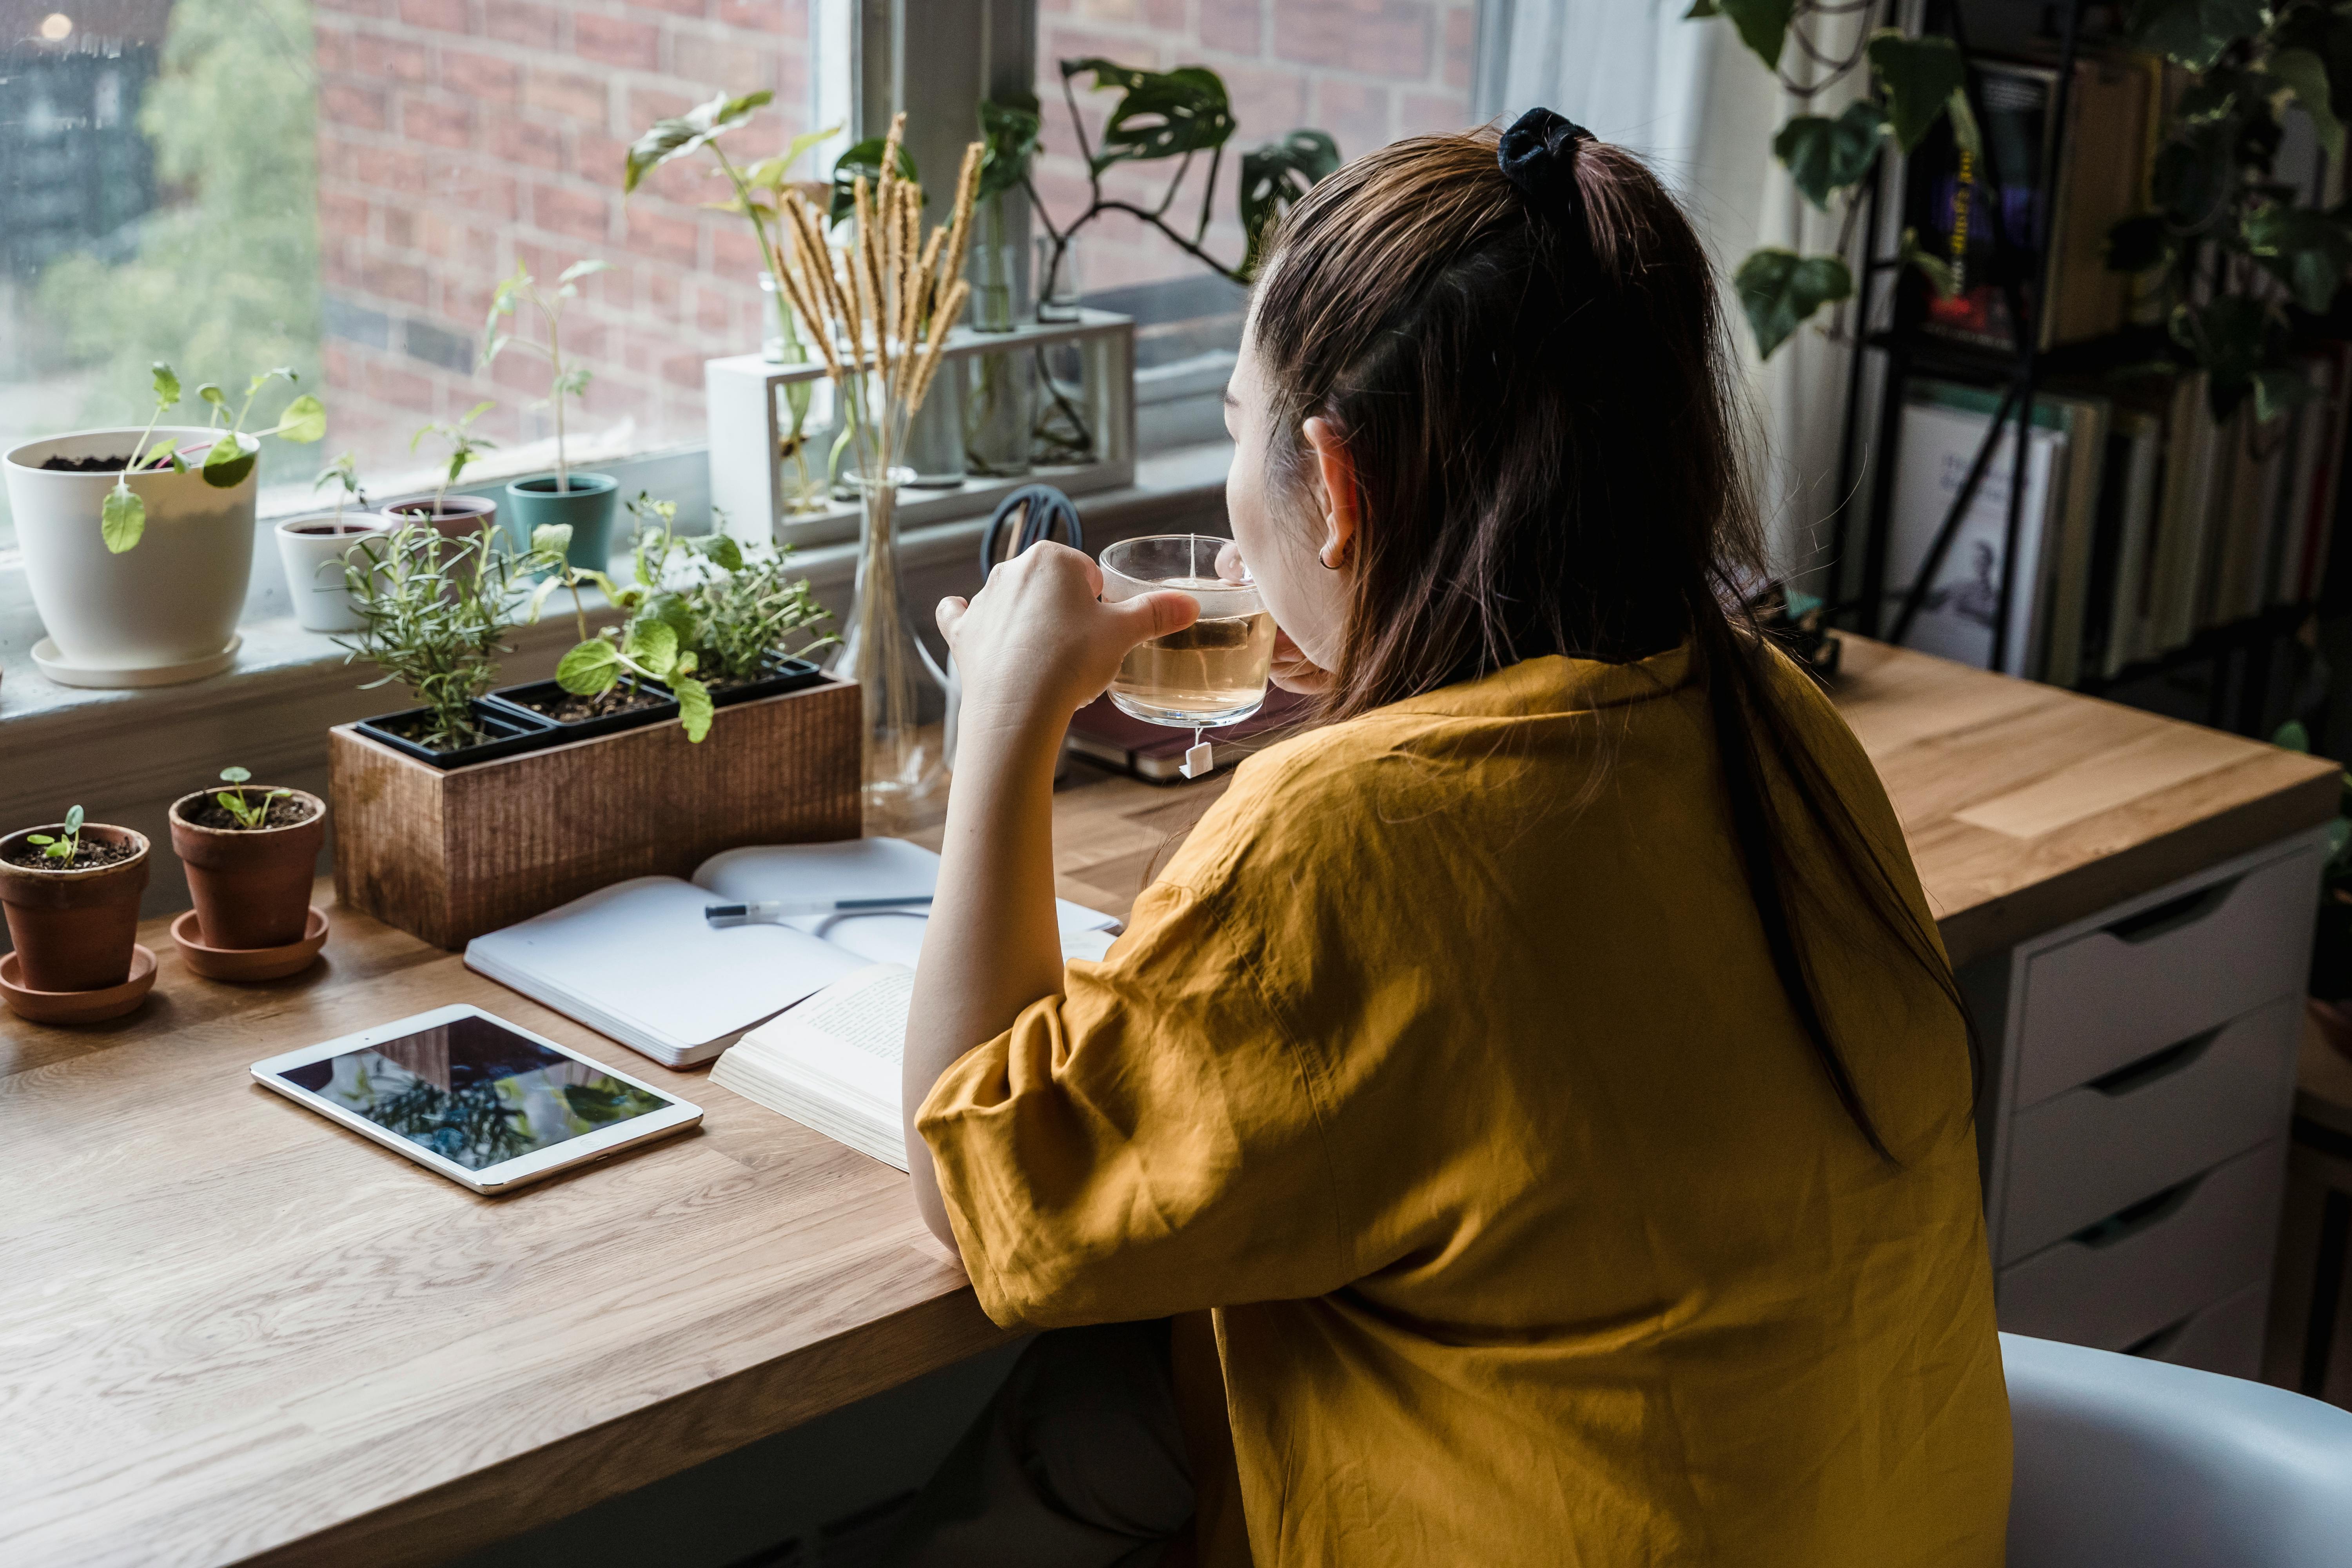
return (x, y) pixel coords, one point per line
(1160, 115)
(60, 847)
(250, 814)
(1912, 84)
(343, 473)
(122, 516)
(564, 379)
(435, 610)
(750, 606)
(758, 188)
(2230, 247)
(464, 447)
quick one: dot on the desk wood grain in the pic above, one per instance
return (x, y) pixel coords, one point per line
(232, 1332)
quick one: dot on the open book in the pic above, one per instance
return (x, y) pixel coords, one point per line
(832, 1062)
(638, 961)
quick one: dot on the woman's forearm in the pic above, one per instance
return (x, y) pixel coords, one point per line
(993, 945)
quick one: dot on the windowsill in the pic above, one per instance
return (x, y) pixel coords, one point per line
(125, 754)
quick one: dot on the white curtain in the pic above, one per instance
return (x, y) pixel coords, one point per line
(1702, 110)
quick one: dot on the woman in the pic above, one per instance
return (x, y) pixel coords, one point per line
(1538, 1095)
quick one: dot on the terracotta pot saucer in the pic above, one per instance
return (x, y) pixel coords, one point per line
(250, 962)
(78, 1007)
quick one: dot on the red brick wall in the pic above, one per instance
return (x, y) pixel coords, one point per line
(1368, 71)
(458, 136)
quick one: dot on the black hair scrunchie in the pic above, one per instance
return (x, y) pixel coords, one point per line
(1537, 155)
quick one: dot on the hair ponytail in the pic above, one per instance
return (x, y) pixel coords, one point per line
(1527, 354)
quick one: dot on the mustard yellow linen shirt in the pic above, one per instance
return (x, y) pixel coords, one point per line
(1466, 1097)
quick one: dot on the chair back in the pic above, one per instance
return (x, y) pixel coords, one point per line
(2126, 1461)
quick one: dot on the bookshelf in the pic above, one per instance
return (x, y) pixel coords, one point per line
(1881, 582)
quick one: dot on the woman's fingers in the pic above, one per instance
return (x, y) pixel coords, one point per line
(950, 616)
(1148, 616)
(1229, 568)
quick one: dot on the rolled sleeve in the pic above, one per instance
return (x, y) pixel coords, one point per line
(1146, 1144)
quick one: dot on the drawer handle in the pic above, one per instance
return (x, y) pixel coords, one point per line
(2128, 1222)
(2173, 914)
(2133, 1077)
(2163, 1340)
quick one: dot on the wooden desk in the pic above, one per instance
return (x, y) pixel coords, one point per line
(232, 1332)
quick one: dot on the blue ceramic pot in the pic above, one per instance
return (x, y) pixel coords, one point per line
(587, 506)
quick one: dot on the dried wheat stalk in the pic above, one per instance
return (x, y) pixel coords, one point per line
(881, 310)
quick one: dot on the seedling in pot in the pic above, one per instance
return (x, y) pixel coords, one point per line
(250, 815)
(463, 446)
(123, 517)
(343, 471)
(435, 610)
(653, 644)
(563, 380)
(60, 849)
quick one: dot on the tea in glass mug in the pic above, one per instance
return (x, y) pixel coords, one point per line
(1214, 671)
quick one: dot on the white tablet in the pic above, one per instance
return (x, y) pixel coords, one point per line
(483, 1102)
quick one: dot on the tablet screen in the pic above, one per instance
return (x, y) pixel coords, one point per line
(473, 1093)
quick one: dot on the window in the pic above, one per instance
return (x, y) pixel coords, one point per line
(1368, 71)
(338, 186)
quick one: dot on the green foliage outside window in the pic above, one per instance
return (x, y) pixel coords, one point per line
(225, 276)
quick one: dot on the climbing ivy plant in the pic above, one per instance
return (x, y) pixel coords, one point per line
(2228, 245)
(1912, 83)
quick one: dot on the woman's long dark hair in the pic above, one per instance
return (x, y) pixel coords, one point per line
(1549, 461)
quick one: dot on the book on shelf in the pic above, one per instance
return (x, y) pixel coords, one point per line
(2051, 204)
(2115, 622)
(1957, 614)
(639, 961)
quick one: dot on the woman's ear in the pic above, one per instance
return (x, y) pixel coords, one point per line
(1336, 468)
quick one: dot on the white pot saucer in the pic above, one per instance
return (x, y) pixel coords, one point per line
(53, 664)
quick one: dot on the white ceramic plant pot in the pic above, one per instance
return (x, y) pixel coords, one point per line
(312, 549)
(164, 611)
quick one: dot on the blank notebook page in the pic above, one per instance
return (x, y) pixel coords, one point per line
(642, 952)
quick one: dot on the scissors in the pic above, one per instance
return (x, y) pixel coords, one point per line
(1029, 514)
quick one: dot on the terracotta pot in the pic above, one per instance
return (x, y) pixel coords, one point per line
(73, 929)
(252, 889)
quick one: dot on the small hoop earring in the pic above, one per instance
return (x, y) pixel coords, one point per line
(1328, 564)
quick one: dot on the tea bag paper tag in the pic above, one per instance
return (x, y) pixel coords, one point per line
(1197, 759)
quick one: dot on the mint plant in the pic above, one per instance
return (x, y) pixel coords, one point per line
(436, 610)
(64, 848)
(249, 814)
(463, 446)
(655, 643)
(564, 380)
(122, 516)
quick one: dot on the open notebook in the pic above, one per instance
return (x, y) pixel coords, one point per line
(638, 961)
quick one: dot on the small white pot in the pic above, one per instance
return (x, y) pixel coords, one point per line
(164, 611)
(312, 549)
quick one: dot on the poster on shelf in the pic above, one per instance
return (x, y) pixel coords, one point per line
(1955, 617)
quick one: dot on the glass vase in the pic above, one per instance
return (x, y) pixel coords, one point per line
(1000, 403)
(995, 274)
(935, 437)
(1058, 279)
(775, 330)
(903, 690)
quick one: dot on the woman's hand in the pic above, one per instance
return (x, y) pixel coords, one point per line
(1035, 645)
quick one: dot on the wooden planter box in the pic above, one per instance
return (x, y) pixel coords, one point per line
(449, 855)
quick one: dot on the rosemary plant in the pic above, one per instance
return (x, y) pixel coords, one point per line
(436, 610)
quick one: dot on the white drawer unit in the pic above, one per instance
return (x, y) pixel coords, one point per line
(2082, 1155)
(2141, 1079)
(2152, 978)
(2145, 1267)
(2226, 1337)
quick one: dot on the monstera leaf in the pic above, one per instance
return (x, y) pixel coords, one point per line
(1780, 290)
(1274, 177)
(675, 138)
(1160, 114)
(1825, 156)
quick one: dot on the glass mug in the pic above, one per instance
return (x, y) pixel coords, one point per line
(1212, 672)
